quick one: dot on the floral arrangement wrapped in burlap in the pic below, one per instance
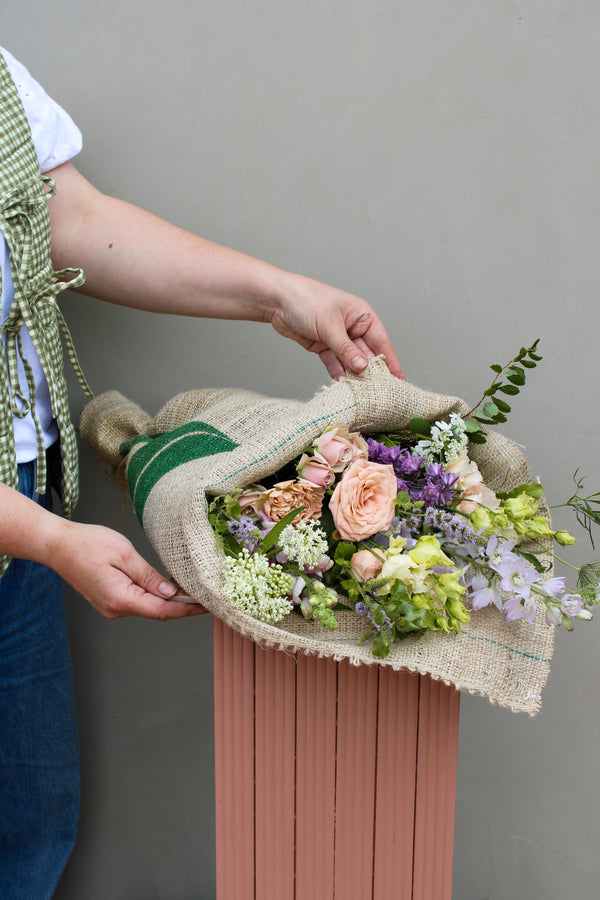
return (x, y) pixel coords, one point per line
(216, 442)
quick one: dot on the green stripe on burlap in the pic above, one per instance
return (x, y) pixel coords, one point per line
(155, 455)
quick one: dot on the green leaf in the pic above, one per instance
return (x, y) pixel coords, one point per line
(509, 389)
(516, 376)
(471, 426)
(502, 405)
(420, 427)
(485, 420)
(272, 537)
(528, 363)
(496, 368)
(478, 437)
(533, 560)
(344, 551)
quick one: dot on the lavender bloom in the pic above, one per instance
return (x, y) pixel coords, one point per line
(517, 577)
(519, 608)
(499, 553)
(245, 531)
(571, 604)
(482, 592)
(554, 586)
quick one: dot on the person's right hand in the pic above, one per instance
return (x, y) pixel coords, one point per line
(106, 569)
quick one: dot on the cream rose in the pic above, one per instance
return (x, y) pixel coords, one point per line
(469, 482)
(363, 501)
(285, 496)
(365, 565)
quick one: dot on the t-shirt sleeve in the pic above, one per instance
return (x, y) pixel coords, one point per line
(56, 137)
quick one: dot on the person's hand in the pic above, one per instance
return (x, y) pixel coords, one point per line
(104, 567)
(343, 329)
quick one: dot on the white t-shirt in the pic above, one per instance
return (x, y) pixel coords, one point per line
(56, 139)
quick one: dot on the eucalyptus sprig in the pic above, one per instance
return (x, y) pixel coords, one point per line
(509, 379)
(587, 509)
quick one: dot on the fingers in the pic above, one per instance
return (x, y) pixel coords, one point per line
(371, 336)
(348, 348)
(145, 592)
(117, 597)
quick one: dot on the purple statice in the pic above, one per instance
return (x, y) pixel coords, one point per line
(380, 453)
(404, 464)
(410, 465)
(438, 487)
(244, 530)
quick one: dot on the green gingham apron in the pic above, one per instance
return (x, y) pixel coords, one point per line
(25, 224)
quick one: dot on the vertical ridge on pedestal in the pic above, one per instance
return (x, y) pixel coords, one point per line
(275, 770)
(234, 763)
(398, 714)
(355, 786)
(436, 790)
(316, 699)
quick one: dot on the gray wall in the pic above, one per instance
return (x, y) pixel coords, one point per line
(439, 158)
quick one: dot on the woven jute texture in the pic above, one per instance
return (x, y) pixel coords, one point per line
(241, 437)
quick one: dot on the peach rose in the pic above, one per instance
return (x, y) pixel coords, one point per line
(469, 482)
(285, 496)
(251, 500)
(365, 565)
(363, 501)
(339, 447)
(316, 469)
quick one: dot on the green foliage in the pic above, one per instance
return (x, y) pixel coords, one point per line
(492, 409)
(271, 538)
(587, 509)
(421, 428)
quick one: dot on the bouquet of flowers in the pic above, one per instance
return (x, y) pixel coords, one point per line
(402, 530)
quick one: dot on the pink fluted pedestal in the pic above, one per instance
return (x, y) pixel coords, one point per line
(332, 782)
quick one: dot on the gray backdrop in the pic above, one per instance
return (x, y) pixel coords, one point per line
(439, 159)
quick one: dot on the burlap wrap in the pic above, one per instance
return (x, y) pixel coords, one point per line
(249, 436)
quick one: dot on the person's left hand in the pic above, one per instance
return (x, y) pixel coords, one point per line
(343, 329)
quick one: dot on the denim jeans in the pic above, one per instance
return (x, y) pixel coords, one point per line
(39, 758)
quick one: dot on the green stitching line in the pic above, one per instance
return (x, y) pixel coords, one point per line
(162, 453)
(506, 647)
(280, 445)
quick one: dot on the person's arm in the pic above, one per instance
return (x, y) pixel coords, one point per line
(99, 563)
(134, 258)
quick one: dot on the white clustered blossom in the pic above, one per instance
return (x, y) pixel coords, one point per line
(448, 441)
(305, 543)
(255, 587)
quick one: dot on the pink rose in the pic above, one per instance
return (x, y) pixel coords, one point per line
(316, 469)
(339, 447)
(288, 495)
(469, 482)
(363, 502)
(365, 565)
